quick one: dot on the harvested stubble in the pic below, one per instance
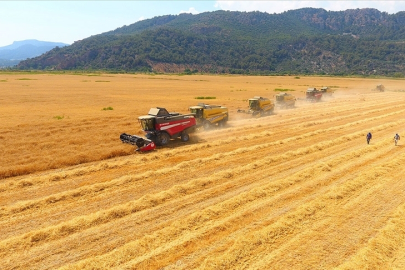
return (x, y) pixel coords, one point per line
(297, 190)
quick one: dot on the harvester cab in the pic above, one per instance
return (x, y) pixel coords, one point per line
(285, 100)
(209, 115)
(313, 94)
(161, 126)
(259, 106)
(147, 122)
(254, 104)
(327, 91)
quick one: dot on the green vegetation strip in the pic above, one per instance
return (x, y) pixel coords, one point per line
(205, 97)
(283, 90)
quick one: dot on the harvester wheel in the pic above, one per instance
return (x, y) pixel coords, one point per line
(185, 137)
(221, 123)
(151, 136)
(264, 113)
(163, 138)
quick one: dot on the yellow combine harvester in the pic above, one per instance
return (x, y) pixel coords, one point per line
(327, 91)
(379, 88)
(259, 106)
(285, 100)
(209, 115)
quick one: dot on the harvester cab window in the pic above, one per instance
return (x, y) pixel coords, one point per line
(279, 98)
(197, 112)
(147, 124)
(253, 104)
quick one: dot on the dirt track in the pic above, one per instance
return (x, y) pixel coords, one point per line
(297, 190)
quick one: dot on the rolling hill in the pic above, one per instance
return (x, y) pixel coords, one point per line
(304, 41)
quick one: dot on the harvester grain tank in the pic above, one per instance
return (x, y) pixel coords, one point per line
(209, 115)
(161, 126)
(327, 91)
(313, 94)
(259, 106)
(285, 100)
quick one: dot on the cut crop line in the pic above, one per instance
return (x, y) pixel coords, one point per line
(228, 206)
(320, 186)
(305, 214)
(97, 188)
(80, 223)
(315, 114)
(276, 161)
(329, 224)
(381, 249)
(34, 181)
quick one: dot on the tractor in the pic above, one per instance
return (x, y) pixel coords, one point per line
(259, 106)
(209, 115)
(285, 100)
(161, 126)
(313, 95)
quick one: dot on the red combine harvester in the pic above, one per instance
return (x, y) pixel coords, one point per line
(161, 126)
(313, 94)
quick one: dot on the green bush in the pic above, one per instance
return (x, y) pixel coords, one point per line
(283, 90)
(205, 97)
(108, 109)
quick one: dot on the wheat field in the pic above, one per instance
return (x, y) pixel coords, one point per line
(300, 189)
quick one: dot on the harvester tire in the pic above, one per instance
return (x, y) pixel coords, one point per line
(264, 113)
(185, 137)
(150, 136)
(221, 123)
(163, 138)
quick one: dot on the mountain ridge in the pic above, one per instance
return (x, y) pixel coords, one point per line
(20, 50)
(308, 41)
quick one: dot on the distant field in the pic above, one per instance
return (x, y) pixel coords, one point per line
(50, 121)
(296, 190)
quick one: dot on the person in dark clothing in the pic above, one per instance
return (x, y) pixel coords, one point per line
(369, 136)
(396, 138)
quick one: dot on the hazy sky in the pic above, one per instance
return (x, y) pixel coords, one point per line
(68, 21)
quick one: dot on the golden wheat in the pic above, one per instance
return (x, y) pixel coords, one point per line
(300, 189)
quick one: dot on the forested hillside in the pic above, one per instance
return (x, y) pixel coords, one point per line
(303, 41)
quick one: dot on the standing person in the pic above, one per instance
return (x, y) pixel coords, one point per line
(396, 138)
(369, 136)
